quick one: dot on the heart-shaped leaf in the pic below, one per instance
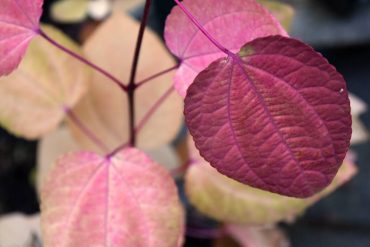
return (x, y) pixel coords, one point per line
(227, 200)
(126, 200)
(32, 99)
(231, 22)
(276, 117)
(19, 23)
(105, 109)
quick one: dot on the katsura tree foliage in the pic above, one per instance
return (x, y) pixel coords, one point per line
(269, 119)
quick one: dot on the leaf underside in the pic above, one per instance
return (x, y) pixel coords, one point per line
(276, 117)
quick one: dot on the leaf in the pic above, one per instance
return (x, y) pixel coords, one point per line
(127, 200)
(33, 98)
(105, 109)
(19, 23)
(276, 116)
(227, 200)
(358, 107)
(69, 11)
(256, 236)
(283, 12)
(231, 22)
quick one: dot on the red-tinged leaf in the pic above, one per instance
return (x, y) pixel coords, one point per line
(232, 22)
(276, 117)
(127, 200)
(19, 23)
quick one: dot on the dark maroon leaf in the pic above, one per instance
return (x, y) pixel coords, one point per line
(275, 116)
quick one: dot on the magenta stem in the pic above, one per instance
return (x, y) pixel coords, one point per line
(116, 150)
(73, 117)
(202, 29)
(143, 121)
(83, 60)
(131, 85)
(153, 109)
(139, 84)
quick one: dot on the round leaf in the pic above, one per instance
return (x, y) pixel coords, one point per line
(276, 117)
(126, 200)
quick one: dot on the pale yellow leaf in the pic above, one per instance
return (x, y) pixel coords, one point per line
(104, 109)
(227, 200)
(32, 98)
(69, 10)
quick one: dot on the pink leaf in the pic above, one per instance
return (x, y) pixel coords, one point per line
(127, 200)
(276, 117)
(246, 235)
(19, 23)
(231, 22)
